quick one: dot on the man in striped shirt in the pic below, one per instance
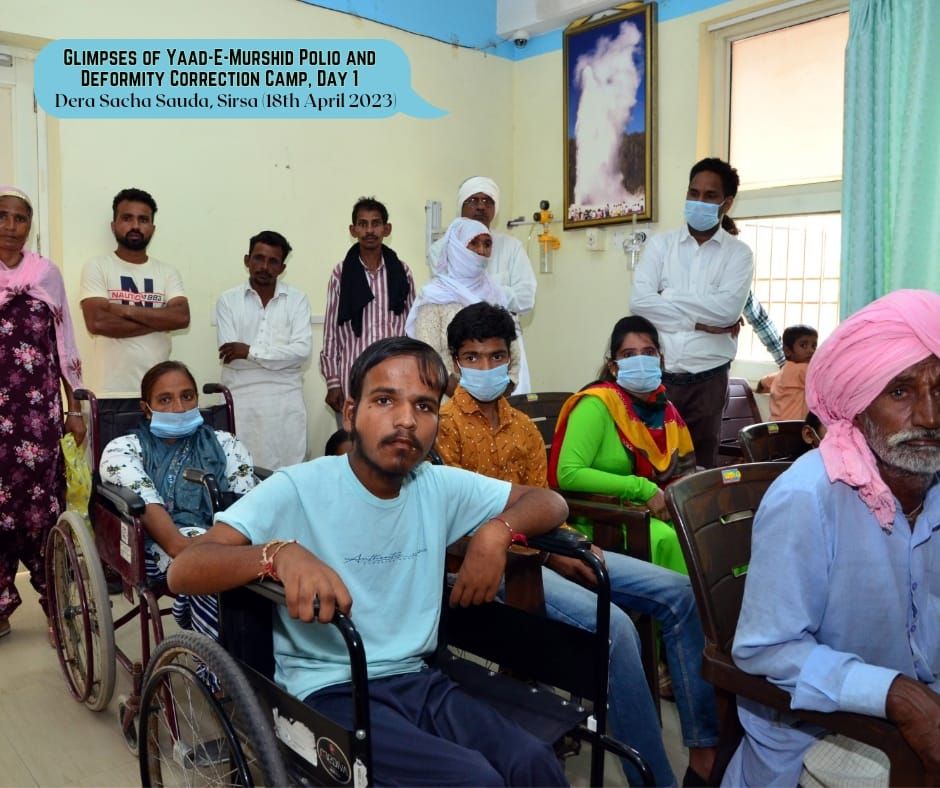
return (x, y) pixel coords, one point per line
(368, 298)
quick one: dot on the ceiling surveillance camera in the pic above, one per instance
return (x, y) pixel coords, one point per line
(521, 38)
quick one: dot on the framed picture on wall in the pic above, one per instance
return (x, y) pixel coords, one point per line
(609, 88)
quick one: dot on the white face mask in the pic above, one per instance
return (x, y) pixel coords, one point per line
(485, 385)
(701, 216)
(167, 424)
(639, 374)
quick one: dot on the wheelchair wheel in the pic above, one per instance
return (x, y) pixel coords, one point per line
(201, 729)
(80, 612)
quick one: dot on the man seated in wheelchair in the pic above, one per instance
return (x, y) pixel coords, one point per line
(366, 533)
(480, 431)
(150, 461)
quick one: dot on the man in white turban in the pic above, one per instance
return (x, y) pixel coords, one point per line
(509, 266)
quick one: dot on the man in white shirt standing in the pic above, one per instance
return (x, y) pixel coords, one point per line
(131, 302)
(692, 284)
(263, 329)
(509, 265)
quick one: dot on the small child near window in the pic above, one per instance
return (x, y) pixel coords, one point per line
(787, 387)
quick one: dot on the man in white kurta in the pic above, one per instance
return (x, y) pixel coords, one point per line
(264, 336)
(509, 265)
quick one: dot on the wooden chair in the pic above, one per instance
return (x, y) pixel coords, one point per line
(543, 409)
(714, 512)
(740, 411)
(773, 441)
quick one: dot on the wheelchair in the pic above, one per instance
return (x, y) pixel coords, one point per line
(76, 556)
(251, 732)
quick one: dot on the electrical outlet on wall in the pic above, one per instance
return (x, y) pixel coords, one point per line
(595, 239)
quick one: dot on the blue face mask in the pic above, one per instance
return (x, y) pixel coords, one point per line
(701, 216)
(164, 424)
(639, 374)
(485, 385)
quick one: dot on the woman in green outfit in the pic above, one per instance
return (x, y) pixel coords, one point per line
(620, 436)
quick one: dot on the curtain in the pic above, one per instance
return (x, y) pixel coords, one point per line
(891, 168)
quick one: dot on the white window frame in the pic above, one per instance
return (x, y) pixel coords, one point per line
(30, 140)
(715, 83)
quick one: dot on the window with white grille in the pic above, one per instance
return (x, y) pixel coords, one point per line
(777, 80)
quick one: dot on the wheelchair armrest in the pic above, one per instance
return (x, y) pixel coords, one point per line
(357, 651)
(208, 480)
(124, 499)
(262, 473)
(563, 541)
(274, 592)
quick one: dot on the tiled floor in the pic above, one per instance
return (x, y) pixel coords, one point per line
(47, 739)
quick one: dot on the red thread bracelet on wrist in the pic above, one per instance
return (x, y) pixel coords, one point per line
(514, 536)
(267, 562)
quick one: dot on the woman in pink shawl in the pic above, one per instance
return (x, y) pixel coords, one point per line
(37, 352)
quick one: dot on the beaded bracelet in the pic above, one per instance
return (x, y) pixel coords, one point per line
(267, 562)
(514, 536)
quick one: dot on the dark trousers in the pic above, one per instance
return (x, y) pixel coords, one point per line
(427, 731)
(701, 404)
(25, 544)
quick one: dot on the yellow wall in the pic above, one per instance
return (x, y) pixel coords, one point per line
(218, 182)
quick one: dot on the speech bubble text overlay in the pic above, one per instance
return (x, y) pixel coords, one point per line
(227, 78)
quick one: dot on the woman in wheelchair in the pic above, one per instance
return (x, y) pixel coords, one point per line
(150, 461)
(620, 436)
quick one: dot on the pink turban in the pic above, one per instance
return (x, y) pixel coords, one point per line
(852, 367)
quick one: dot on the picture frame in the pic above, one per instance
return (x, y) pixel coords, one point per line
(609, 62)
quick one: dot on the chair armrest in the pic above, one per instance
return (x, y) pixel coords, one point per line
(610, 517)
(354, 646)
(124, 499)
(262, 473)
(275, 593)
(207, 480)
(563, 541)
(906, 767)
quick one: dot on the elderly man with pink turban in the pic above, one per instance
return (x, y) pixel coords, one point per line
(843, 589)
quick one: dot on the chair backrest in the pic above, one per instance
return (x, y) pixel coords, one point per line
(713, 512)
(773, 441)
(740, 410)
(543, 409)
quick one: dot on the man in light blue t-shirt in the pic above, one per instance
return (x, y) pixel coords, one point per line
(371, 528)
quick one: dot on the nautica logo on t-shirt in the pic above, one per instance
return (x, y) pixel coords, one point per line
(129, 294)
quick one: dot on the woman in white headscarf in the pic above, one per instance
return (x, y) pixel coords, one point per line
(460, 279)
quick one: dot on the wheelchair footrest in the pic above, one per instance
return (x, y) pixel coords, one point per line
(542, 712)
